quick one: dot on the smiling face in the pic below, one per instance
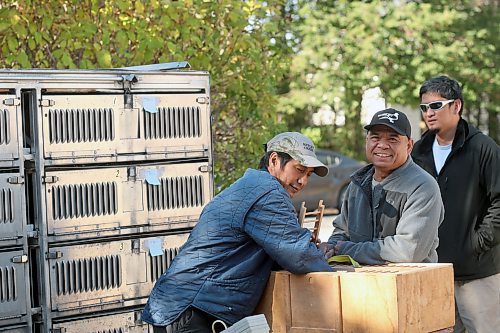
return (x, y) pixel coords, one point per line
(387, 150)
(293, 176)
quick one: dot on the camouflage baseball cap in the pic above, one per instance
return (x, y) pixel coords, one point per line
(300, 148)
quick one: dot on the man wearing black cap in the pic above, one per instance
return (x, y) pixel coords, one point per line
(393, 208)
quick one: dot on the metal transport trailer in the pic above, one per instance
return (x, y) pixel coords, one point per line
(103, 173)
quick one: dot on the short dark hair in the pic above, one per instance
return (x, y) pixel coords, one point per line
(444, 86)
(284, 159)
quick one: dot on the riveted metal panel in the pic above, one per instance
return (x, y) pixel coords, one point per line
(127, 322)
(12, 226)
(105, 128)
(107, 275)
(110, 201)
(9, 136)
(13, 298)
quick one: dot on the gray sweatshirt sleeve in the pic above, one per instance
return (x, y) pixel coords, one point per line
(416, 235)
(340, 227)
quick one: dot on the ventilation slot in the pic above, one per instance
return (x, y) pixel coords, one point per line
(7, 284)
(6, 206)
(84, 200)
(81, 125)
(89, 274)
(113, 330)
(172, 122)
(178, 192)
(159, 264)
(4, 127)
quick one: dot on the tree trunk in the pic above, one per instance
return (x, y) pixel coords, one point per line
(493, 122)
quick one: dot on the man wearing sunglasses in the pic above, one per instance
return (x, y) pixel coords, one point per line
(466, 164)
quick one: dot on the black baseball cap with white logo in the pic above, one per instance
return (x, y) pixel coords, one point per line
(392, 118)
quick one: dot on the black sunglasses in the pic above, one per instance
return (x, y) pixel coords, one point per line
(438, 105)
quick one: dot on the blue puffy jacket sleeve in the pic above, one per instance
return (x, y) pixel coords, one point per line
(272, 223)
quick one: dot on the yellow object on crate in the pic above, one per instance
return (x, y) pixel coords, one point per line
(343, 258)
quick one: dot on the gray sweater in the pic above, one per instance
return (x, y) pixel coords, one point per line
(400, 225)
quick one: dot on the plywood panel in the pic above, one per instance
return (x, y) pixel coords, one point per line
(398, 298)
(302, 303)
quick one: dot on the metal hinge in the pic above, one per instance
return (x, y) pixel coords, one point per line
(131, 173)
(54, 255)
(15, 180)
(202, 100)
(36, 311)
(58, 330)
(49, 179)
(136, 246)
(28, 156)
(19, 259)
(47, 102)
(127, 82)
(205, 168)
(37, 314)
(12, 101)
(31, 232)
(137, 318)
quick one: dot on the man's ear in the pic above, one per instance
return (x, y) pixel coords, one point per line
(458, 106)
(273, 164)
(274, 159)
(410, 146)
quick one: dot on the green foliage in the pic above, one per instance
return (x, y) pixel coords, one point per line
(239, 43)
(348, 47)
(339, 50)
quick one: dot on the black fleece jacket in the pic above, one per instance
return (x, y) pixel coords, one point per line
(470, 187)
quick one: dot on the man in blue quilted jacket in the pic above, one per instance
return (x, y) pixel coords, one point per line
(222, 270)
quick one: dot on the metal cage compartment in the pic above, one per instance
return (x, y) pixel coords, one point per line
(123, 200)
(101, 276)
(128, 322)
(9, 136)
(12, 226)
(14, 304)
(109, 128)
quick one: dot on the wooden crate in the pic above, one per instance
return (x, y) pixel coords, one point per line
(387, 298)
(398, 298)
(302, 303)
